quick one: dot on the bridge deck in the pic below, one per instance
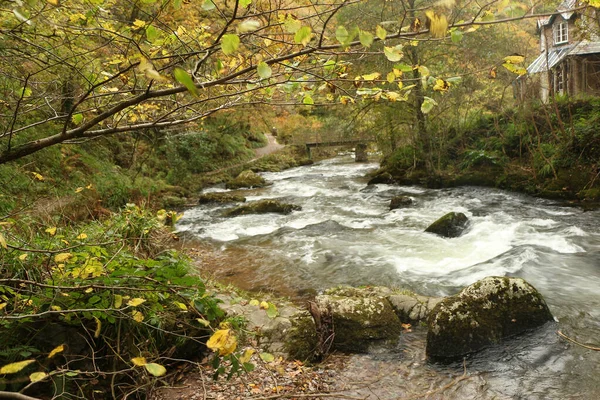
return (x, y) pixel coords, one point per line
(337, 143)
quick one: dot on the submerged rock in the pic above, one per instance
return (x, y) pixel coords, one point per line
(263, 207)
(450, 225)
(483, 314)
(247, 179)
(400, 202)
(220, 197)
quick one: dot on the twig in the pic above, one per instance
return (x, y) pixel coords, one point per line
(16, 396)
(562, 335)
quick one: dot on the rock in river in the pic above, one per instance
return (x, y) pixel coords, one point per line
(450, 225)
(263, 207)
(483, 314)
(246, 179)
(400, 202)
(220, 197)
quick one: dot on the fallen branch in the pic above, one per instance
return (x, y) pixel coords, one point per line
(16, 396)
(562, 335)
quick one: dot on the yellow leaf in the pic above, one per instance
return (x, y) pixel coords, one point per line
(264, 305)
(155, 369)
(89, 290)
(82, 236)
(37, 176)
(51, 231)
(135, 302)
(139, 361)
(181, 306)
(3, 305)
(438, 24)
(441, 85)
(37, 376)
(371, 77)
(246, 356)
(55, 308)
(393, 96)
(254, 302)
(391, 77)
(89, 187)
(23, 257)
(56, 350)
(13, 368)
(203, 322)
(223, 341)
(514, 59)
(138, 23)
(98, 328)
(137, 316)
(3, 241)
(62, 257)
(54, 2)
(118, 301)
(79, 189)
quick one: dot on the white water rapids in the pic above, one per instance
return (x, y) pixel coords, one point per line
(346, 234)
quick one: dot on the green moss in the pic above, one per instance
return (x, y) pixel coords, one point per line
(301, 340)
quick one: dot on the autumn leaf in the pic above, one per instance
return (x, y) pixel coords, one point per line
(254, 302)
(3, 241)
(371, 77)
(135, 302)
(248, 25)
(139, 361)
(366, 38)
(393, 54)
(438, 24)
(230, 43)
(37, 376)
(118, 301)
(223, 341)
(82, 236)
(79, 190)
(180, 305)
(267, 357)
(303, 35)
(155, 369)
(13, 368)
(137, 316)
(441, 86)
(37, 176)
(246, 356)
(56, 350)
(493, 73)
(138, 24)
(514, 59)
(98, 327)
(380, 32)
(264, 305)
(264, 71)
(62, 257)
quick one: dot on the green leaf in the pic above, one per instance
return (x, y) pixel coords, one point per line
(341, 34)
(272, 311)
(177, 4)
(393, 53)
(230, 43)
(292, 25)
(380, 32)
(366, 38)
(245, 3)
(186, 80)
(208, 5)
(77, 118)
(428, 104)
(308, 100)
(403, 67)
(155, 369)
(37, 376)
(267, 357)
(151, 33)
(303, 35)
(456, 36)
(264, 71)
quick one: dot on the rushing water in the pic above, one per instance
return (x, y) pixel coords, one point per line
(345, 234)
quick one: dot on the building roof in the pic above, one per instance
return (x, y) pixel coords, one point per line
(547, 60)
(565, 9)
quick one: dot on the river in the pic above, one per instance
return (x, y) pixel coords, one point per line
(346, 235)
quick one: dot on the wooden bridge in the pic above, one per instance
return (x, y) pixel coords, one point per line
(359, 144)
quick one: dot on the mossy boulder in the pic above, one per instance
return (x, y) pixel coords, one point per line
(382, 177)
(450, 225)
(262, 207)
(482, 315)
(360, 318)
(220, 197)
(400, 202)
(246, 179)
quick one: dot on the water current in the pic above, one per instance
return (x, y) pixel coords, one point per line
(345, 234)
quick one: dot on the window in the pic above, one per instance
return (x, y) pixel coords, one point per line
(561, 32)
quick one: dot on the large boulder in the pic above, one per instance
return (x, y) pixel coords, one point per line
(382, 177)
(220, 197)
(483, 314)
(358, 318)
(246, 179)
(450, 225)
(400, 202)
(262, 207)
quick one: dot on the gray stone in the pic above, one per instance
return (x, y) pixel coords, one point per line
(483, 314)
(247, 179)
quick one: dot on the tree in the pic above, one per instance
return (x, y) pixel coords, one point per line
(82, 69)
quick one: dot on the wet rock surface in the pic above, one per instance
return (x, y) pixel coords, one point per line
(450, 225)
(247, 179)
(400, 202)
(220, 197)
